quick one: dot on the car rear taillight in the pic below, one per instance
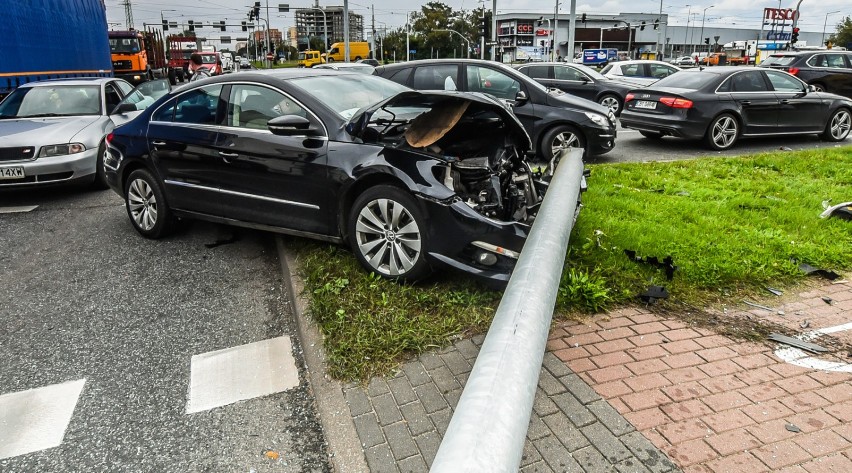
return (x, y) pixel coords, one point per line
(109, 137)
(793, 70)
(676, 102)
(629, 97)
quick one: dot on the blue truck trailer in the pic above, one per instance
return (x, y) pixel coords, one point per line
(50, 39)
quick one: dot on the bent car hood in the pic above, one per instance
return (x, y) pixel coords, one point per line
(40, 131)
(430, 99)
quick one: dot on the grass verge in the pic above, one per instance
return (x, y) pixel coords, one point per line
(730, 225)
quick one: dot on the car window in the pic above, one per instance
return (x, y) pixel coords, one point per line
(750, 81)
(491, 81)
(124, 87)
(783, 83)
(165, 113)
(607, 69)
(632, 70)
(112, 97)
(436, 77)
(659, 70)
(536, 72)
(725, 87)
(400, 76)
(835, 61)
(198, 106)
(567, 73)
(778, 60)
(251, 106)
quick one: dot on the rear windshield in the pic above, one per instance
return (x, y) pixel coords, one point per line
(692, 80)
(778, 60)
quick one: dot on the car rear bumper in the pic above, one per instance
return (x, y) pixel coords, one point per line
(667, 125)
(53, 170)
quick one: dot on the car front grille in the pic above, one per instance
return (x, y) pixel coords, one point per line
(17, 154)
(122, 65)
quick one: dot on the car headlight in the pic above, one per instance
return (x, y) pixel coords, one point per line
(61, 150)
(597, 118)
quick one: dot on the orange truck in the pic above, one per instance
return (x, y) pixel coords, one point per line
(138, 56)
(715, 59)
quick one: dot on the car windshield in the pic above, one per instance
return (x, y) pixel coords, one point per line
(361, 90)
(208, 58)
(52, 101)
(693, 80)
(778, 60)
(123, 45)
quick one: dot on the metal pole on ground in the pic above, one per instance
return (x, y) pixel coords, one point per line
(489, 427)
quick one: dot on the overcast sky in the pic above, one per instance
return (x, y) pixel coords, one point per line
(391, 13)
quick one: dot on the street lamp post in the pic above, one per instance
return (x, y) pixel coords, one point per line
(460, 36)
(702, 31)
(686, 33)
(826, 24)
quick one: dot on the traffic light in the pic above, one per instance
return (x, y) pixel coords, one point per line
(642, 26)
(257, 10)
(551, 44)
(583, 18)
(795, 36)
(245, 28)
(222, 25)
(706, 40)
(190, 25)
(656, 23)
(165, 25)
(541, 43)
(483, 27)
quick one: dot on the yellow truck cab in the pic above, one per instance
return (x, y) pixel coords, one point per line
(357, 50)
(310, 58)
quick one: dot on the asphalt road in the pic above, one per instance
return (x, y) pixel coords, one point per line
(86, 297)
(631, 146)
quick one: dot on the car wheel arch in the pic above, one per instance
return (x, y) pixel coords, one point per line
(128, 169)
(358, 187)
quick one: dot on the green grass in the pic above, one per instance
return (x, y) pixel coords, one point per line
(731, 225)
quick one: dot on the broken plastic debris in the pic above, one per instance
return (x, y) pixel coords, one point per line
(812, 271)
(770, 309)
(792, 428)
(653, 293)
(777, 292)
(667, 264)
(827, 300)
(805, 324)
(841, 211)
(272, 455)
(795, 342)
(784, 148)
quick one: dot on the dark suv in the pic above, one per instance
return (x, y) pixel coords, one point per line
(552, 118)
(826, 70)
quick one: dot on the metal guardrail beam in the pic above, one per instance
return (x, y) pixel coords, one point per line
(488, 429)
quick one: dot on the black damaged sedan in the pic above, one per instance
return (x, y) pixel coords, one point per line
(412, 181)
(723, 104)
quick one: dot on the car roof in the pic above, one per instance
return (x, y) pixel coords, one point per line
(439, 61)
(76, 81)
(640, 61)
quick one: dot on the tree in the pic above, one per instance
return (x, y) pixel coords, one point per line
(843, 35)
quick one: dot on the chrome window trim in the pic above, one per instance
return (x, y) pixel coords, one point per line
(242, 194)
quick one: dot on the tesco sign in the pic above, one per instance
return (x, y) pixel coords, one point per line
(780, 14)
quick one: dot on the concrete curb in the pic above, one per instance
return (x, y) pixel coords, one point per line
(337, 424)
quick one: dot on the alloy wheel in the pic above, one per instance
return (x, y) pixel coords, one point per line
(142, 204)
(564, 140)
(388, 237)
(840, 124)
(724, 132)
(611, 103)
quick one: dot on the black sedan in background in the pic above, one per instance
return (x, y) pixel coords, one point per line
(553, 119)
(722, 104)
(580, 81)
(412, 181)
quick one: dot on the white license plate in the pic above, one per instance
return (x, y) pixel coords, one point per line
(16, 172)
(646, 104)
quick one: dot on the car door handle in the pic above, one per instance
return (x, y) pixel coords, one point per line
(785, 102)
(228, 155)
(745, 102)
(158, 143)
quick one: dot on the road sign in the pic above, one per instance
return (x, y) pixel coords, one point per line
(270, 57)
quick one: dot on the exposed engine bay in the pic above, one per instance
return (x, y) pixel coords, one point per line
(483, 155)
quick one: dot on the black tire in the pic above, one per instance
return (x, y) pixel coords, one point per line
(559, 137)
(181, 75)
(330, 59)
(651, 135)
(838, 126)
(379, 244)
(172, 77)
(723, 132)
(142, 195)
(357, 58)
(612, 102)
(100, 182)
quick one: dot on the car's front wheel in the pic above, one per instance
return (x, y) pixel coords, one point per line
(146, 205)
(838, 125)
(722, 132)
(387, 233)
(819, 88)
(559, 138)
(611, 102)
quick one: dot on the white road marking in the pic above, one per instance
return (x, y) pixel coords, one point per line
(223, 377)
(36, 419)
(798, 357)
(18, 209)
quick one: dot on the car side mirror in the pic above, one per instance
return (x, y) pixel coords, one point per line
(584, 80)
(521, 96)
(124, 108)
(811, 88)
(291, 125)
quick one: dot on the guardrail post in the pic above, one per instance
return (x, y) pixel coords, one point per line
(488, 429)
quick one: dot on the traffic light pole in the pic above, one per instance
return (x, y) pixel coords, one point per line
(572, 24)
